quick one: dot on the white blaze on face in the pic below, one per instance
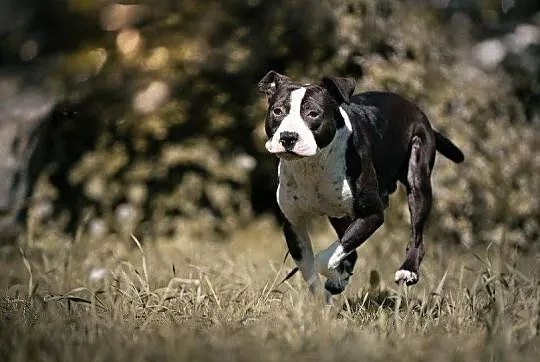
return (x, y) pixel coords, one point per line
(293, 122)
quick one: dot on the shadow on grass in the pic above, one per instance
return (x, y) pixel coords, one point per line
(377, 298)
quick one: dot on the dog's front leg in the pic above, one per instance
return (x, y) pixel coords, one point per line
(355, 235)
(368, 216)
(299, 244)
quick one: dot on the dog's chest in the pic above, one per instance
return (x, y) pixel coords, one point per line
(316, 185)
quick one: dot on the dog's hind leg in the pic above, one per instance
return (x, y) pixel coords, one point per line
(419, 195)
(301, 251)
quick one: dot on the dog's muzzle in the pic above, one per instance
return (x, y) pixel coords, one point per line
(288, 140)
(290, 145)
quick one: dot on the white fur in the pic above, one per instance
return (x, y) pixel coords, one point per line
(322, 258)
(307, 262)
(317, 185)
(346, 119)
(293, 122)
(322, 263)
(311, 186)
(405, 276)
(337, 257)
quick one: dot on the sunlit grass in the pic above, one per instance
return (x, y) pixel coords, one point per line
(124, 299)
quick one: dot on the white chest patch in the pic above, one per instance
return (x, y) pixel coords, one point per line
(317, 185)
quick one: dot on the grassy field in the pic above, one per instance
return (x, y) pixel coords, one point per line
(109, 299)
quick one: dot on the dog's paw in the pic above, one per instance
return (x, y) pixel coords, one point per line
(337, 257)
(405, 276)
(336, 286)
(338, 278)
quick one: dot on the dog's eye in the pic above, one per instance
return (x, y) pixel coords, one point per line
(313, 114)
(278, 111)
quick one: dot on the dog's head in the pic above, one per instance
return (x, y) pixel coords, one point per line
(302, 119)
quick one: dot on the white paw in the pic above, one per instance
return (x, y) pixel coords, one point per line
(322, 258)
(406, 276)
(337, 257)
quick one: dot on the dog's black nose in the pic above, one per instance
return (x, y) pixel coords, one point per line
(288, 139)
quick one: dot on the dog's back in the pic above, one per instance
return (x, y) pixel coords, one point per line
(400, 120)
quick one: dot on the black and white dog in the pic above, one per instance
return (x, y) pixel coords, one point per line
(341, 155)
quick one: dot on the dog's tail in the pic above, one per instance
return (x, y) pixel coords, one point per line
(448, 148)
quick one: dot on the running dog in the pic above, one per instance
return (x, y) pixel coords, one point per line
(341, 156)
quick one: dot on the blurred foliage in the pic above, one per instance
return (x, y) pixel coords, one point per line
(161, 129)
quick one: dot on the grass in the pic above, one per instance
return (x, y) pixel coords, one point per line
(120, 298)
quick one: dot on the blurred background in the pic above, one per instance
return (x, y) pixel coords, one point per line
(144, 117)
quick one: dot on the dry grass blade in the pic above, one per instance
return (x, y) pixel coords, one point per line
(216, 299)
(31, 289)
(439, 288)
(289, 275)
(143, 257)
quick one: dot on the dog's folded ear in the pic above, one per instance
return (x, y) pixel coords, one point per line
(340, 88)
(269, 83)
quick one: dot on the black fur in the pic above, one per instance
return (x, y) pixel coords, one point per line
(292, 241)
(391, 141)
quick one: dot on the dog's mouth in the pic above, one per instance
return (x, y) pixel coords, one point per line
(289, 155)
